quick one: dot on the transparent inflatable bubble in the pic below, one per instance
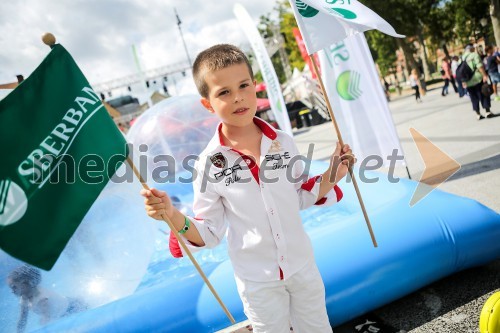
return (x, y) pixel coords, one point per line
(178, 127)
(117, 247)
(105, 260)
(169, 136)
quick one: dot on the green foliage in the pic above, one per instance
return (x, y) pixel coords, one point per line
(467, 15)
(435, 21)
(285, 23)
(383, 49)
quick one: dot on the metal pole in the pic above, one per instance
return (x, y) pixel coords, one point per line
(179, 22)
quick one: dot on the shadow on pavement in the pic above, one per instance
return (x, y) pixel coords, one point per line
(478, 167)
(440, 299)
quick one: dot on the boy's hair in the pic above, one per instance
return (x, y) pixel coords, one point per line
(215, 58)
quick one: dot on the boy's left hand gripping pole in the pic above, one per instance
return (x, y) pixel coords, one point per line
(50, 40)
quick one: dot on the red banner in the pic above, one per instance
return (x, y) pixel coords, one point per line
(303, 52)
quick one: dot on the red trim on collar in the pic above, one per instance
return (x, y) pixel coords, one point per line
(219, 133)
(266, 129)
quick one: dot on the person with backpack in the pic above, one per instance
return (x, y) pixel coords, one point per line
(472, 74)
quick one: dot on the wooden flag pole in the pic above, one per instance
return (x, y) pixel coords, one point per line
(330, 110)
(183, 245)
(11, 85)
(50, 40)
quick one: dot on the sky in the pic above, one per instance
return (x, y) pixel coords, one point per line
(99, 34)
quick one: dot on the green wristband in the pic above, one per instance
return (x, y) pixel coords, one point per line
(185, 228)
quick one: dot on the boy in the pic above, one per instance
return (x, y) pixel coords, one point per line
(248, 183)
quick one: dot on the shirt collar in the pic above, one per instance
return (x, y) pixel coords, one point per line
(266, 129)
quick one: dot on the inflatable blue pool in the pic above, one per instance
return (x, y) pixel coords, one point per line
(439, 236)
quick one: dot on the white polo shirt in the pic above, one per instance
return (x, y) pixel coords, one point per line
(257, 206)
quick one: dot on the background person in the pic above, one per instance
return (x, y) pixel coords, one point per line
(415, 84)
(475, 83)
(492, 61)
(24, 282)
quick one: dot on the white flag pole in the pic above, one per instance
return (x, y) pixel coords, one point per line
(341, 141)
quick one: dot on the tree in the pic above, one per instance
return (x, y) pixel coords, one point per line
(383, 49)
(495, 19)
(407, 17)
(282, 28)
(287, 23)
(467, 17)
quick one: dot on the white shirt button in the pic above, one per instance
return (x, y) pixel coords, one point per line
(282, 258)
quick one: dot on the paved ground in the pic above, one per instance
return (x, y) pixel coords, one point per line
(449, 123)
(452, 304)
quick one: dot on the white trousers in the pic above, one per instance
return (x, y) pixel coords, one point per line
(300, 301)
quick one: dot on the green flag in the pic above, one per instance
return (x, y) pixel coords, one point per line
(59, 150)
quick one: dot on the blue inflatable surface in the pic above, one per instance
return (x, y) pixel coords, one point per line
(439, 236)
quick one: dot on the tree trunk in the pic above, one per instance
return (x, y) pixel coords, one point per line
(423, 56)
(409, 60)
(495, 19)
(445, 50)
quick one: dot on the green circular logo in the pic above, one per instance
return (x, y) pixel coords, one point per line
(348, 85)
(13, 202)
(305, 10)
(347, 14)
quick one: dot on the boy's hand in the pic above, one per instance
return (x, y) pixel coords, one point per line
(339, 163)
(157, 203)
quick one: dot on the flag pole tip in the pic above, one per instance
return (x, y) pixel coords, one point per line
(48, 39)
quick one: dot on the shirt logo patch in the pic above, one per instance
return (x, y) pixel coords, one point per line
(219, 160)
(275, 146)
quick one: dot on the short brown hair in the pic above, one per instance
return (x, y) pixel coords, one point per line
(217, 57)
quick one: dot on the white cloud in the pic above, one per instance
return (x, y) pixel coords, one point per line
(100, 34)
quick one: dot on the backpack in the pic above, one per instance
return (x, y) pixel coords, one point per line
(464, 72)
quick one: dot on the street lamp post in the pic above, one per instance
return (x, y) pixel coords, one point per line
(179, 22)
(484, 23)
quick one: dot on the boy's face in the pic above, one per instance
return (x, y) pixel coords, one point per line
(231, 95)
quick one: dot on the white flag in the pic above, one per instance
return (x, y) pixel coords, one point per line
(361, 110)
(266, 66)
(324, 22)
